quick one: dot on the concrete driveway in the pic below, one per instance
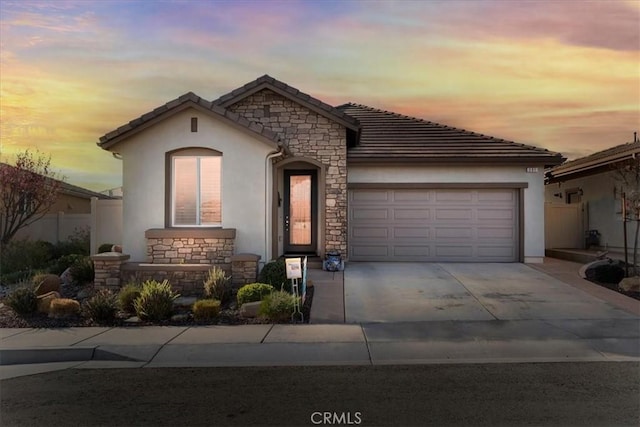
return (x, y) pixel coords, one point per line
(414, 292)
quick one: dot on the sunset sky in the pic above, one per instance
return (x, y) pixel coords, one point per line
(563, 75)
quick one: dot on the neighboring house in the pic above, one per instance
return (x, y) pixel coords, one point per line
(113, 192)
(269, 170)
(585, 194)
(71, 211)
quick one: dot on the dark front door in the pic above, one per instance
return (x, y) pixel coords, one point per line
(300, 211)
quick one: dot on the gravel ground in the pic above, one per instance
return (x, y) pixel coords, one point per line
(228, 316)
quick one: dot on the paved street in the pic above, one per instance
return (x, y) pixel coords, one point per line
(550, 394)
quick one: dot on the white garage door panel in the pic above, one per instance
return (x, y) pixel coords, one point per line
(433, 225)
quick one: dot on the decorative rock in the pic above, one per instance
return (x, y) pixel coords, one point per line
(249, 309)
(184, 302)
(180, 317)
(116, 248)
(629, 284)
(49, 283)
(84, 293)
(44, 301)
(132, 320)
(66, 277)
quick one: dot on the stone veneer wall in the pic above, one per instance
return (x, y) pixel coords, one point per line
(308, 134)
(187, 280)
(244, 269)
(191, 246)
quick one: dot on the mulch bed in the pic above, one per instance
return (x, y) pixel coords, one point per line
(228, 316)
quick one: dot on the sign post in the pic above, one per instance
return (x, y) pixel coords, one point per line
(293, 267)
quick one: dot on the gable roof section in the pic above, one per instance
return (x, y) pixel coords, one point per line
(283, 89)
(596, 161)
(188, 100)
(390, 137)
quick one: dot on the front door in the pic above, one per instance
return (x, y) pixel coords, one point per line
(300, 211)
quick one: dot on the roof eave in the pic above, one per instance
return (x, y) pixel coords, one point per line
(523, 161)
(294, 95)
(230, 118)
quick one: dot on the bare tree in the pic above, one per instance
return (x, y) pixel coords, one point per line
(628, 175)
(27, 191)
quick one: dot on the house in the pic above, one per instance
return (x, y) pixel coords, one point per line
(585, 195)
(71, 211)
(269, 170)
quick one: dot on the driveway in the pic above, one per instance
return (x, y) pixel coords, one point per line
(413, 292)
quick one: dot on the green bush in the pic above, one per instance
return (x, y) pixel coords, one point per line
(216, 284)
(58, 266)
(23, 301)
(21, 256)
(105, 247)
(78, 243)
(102, 307)
(253, 292)
(155, 302)
(206, 309)
(15, 277)
(82, 271)
(274, 273)
(127, 296)
(277, 306)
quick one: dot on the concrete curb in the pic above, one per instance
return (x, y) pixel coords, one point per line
(22, 356)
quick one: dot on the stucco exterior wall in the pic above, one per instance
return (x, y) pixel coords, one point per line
(533, 194)
(602, 209)
(71, 205)
(243, 172)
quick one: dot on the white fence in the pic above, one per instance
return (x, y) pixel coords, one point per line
(55, 227)
(106, 223)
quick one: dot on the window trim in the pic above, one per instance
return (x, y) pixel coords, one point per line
(197, 152)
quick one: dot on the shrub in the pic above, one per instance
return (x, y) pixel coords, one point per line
(59, 265)
(253, 292)
(15, 277)
(155, 302)
(77, 243)
(105, 247)
(216, 284)
(23, 301)
(102, 307)
(127, 296)
(277, 306)
(62, 307)
(206, 309)
(82, 271)
(25, 255)
(274, 273)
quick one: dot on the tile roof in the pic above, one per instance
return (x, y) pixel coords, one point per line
(268, 82)
(387, 137)
(179, 104)
(597, 160)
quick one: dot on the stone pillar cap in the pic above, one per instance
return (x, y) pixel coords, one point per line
(110, 256)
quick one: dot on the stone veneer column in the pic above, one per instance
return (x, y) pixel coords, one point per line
(244, 269)
(107, 267)
(311, 135)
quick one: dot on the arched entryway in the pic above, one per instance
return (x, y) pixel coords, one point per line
(298, 214)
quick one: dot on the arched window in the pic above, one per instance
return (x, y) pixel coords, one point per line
(196, 188)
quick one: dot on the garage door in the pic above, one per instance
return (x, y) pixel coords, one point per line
(433, 225)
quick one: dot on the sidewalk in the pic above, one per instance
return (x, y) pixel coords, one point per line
(29, 351)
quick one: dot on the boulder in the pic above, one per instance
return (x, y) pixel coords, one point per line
(44, 301)
(249, 309)
(48, 283)
(629, 284)
(66, 277)
(184, 303)
(116, 248)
